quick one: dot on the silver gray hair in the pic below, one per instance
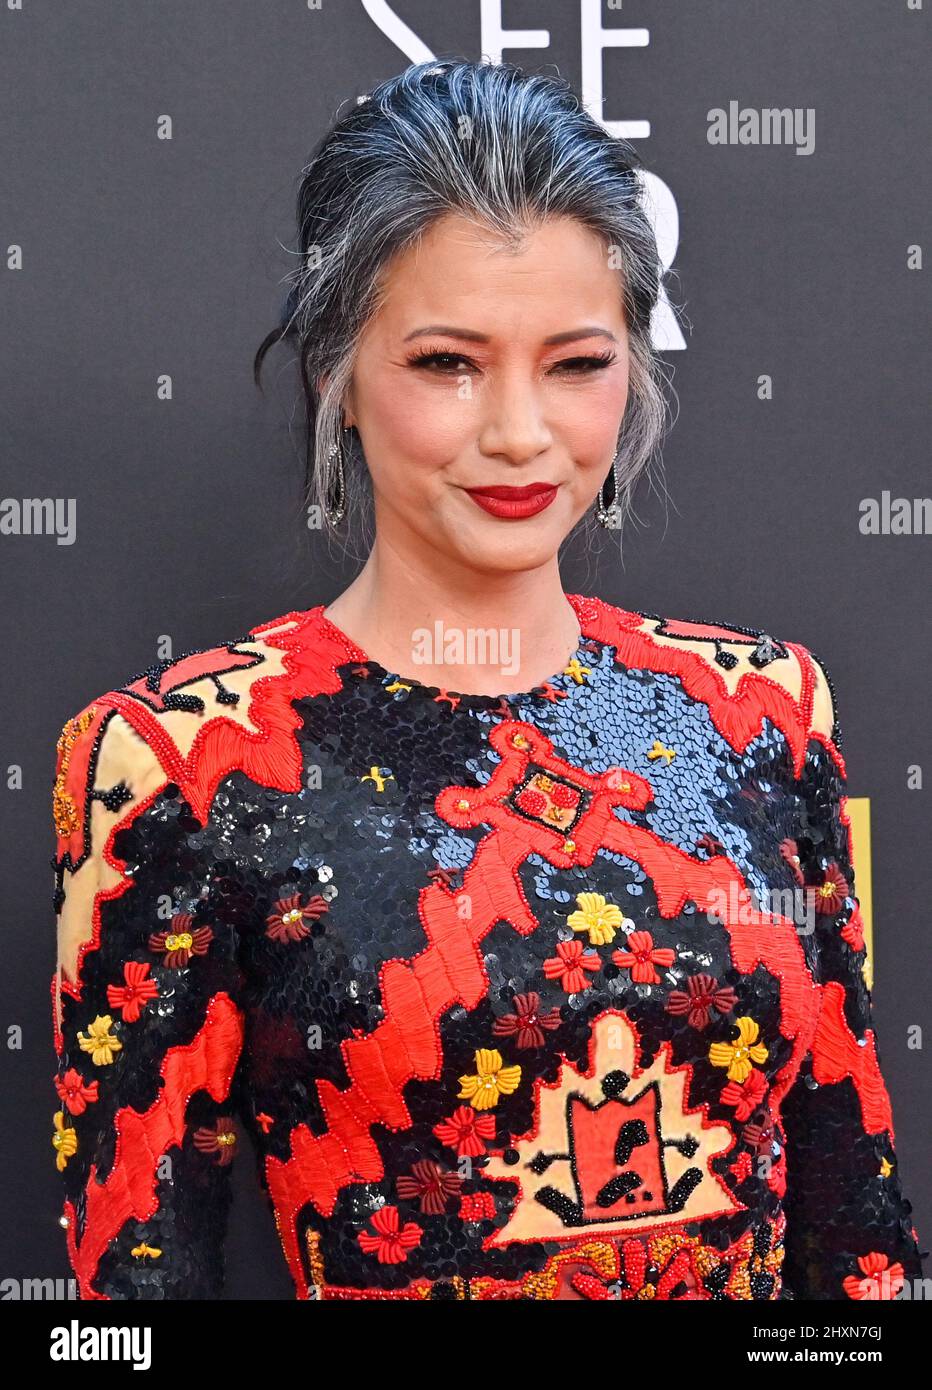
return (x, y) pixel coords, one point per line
(487, 141)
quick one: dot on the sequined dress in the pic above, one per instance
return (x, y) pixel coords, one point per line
(558, 995)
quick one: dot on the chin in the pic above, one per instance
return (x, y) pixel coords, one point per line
(495, 545)
(511, 555)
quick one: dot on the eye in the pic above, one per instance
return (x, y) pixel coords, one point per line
(446, 363)
(582, 366)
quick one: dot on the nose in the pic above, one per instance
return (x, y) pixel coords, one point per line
(514, 426)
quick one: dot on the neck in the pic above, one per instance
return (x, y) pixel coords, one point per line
(474, 633)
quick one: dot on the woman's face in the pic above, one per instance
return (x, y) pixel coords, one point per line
(486, 367)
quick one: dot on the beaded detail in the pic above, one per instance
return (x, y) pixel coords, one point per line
(555, 994)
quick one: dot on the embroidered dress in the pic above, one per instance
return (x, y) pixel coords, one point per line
(557, 995)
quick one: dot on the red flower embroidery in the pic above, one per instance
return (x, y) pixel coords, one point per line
(747, 1095)
(219, 1140)
(477, 1206)
(830, 894)
(570, 964)
(789, 849)
(287, 922)
(741, 1167)
(534, 803)
(703, 993)
(465, 1131)
(853, 930)
(180, 943)
(563, 796)
(527, 1021)
(879, 1278)
(73, 1093)
(133, 996)
(432, 1184)
(392, 1241)
(641, 957)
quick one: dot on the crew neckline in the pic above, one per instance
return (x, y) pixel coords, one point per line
(411, 686)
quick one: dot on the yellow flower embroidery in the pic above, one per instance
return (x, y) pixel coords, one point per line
(143, 1251)
(99, 1041)
(577, 670)
(739, 1056)
(597, 916)
(494, 1080)
(64, 1140)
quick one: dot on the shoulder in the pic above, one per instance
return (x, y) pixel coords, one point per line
(734, 650)
(191, 718)
(215, 678)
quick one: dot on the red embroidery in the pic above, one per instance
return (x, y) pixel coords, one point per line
(429, 1185)
(182, 941)
(269, 753)
(287, 922)
(879, 1279)
(392, 1241)
(477, 1206)
(836, 1054)
(702, 994)
(527, 1024)
(853, 930)
(641, 956)
(570, 964)
(73, 1093)
(465, 1131)
(218, 1139)
(206, 1063)
(132, 997)
(747, 1095)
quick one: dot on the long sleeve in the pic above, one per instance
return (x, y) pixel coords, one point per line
(849, 1230)
(148, 1024)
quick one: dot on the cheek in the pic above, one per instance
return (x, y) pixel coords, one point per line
(419, 426)
(590, 423)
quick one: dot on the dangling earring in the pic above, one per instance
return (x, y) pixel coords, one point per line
(335, 486)
(607, 511)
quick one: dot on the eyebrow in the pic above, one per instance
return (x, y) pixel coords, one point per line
(570, 335)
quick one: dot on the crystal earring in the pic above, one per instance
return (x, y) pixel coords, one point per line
(335, 485)
(608, 512)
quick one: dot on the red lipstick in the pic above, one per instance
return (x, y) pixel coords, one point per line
(514, 503)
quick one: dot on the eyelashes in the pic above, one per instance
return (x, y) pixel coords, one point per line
(447, 363)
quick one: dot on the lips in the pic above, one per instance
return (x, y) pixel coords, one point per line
(514, 503)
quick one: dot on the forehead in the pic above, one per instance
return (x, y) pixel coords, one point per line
(470, 275)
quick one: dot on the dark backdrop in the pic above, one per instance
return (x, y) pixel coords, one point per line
(127, 257)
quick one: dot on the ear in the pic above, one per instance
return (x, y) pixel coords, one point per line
(349, 416)
(349, 406)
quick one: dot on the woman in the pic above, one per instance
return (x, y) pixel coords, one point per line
(548, 990)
